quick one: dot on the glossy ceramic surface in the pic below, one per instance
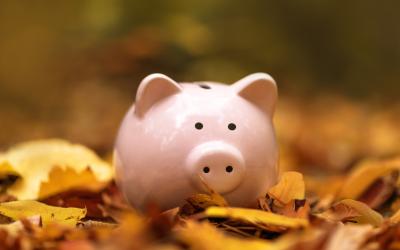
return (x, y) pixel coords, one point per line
(177, 136)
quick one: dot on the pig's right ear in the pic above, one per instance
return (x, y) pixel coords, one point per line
(152, 89)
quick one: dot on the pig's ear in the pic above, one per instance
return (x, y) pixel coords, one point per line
(152, 89)
(260, 89)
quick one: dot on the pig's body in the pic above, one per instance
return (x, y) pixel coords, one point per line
(162, 152)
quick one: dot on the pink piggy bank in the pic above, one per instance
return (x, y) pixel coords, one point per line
(179, 136)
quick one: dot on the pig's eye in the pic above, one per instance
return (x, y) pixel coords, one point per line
(198, 125)
(232, 126)
(204, 86)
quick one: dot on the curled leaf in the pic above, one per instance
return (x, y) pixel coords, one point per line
(352, 210)
(48, 167)
(290, 187)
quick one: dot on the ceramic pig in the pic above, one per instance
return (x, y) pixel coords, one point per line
(180, 135)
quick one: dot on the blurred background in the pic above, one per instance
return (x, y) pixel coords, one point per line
(70, 69)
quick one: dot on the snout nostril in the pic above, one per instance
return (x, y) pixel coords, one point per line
(229, 169)
(206, 170)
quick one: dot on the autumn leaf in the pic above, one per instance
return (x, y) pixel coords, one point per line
(215, 197)
(356, 208)
(16, 227)
(365, 174)
(200, 236)
(199, 202)
(49, 214)
(287, 197)
(380, 191)
(295, 208)
(349, 237)
(290, 187)
(395, 218)
(352, 210)
(51, 166)
(255, 216)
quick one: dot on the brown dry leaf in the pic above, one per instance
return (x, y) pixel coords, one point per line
(199, 236)
(218, 199)
(16, 227)
(328, 144)
(204, 200)
(386, 237)
(295, 209)
(290, 187)
(339, 212)
(365, 174)
(329, 236)
(91, 201)
(52, 166)
(395, 206)
(199, 202)
(395, 218)
(380, 191)
(287, 197)
(351, 210)
(255, 216)
(309, 239)
(349, 237)
(23, 209)
(134, 232)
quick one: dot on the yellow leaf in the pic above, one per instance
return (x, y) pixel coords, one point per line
(368, 215)
(5, 168)
(64, 179)
(291, 186)
(199, 236)
(52, 166)
(23, 209)
(364, 175)
(255, 216)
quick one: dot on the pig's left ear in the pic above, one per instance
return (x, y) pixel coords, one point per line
(152, 89)
(260, 89)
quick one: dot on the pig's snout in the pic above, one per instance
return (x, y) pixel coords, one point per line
(220, 165)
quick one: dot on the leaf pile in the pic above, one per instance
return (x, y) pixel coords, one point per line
(57, 195)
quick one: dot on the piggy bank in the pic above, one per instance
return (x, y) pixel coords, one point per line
(180, 137)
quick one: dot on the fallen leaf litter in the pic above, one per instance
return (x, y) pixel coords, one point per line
(58, 195)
